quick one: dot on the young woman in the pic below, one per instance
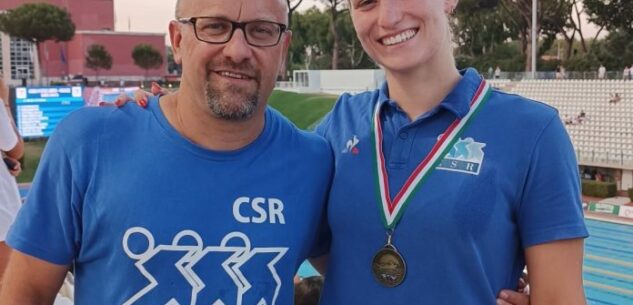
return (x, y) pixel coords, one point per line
(449, 187)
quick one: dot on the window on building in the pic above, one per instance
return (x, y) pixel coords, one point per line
(22, 55)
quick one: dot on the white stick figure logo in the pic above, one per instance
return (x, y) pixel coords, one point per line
(194, 274)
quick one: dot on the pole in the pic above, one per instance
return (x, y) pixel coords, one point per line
(534, 46)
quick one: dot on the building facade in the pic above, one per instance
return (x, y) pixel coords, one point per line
(94, 21)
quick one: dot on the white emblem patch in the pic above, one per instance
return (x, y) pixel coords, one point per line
(466, 156)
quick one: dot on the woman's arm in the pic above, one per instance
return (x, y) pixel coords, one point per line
(555, 271)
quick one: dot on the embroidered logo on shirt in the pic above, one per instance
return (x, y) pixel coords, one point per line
(466, 156)
(187, 272)
(350, 146)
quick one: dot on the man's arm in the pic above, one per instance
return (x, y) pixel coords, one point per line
(555, 271)
(18, 150)
(31, 281)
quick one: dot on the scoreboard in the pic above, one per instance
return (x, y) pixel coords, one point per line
(39, 109)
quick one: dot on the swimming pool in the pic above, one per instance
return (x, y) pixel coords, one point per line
(608, 264)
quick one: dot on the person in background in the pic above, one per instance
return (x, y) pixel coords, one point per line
(602, 72)
(615, 98)
(12, 148)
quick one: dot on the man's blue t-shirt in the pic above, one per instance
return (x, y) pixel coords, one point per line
(509, 182)
(148, 217)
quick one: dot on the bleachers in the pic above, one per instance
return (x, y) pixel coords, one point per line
(605, 135)
(500, 83)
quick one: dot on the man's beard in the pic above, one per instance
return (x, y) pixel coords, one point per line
(232, 103)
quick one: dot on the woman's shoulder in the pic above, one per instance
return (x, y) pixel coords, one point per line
(356, 103)
(521, 108)
(350, 109)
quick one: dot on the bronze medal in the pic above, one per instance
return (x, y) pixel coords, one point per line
(388, 266)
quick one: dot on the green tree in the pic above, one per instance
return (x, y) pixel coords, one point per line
(582, 62)
(292, 7)
(552, 16)
(614, 51)
(310, 48)
(38, 22)
(335, 7)
(611, 14)
(479, 28)
(352, 54)
(313, 43)
(146, 57)
(573, 27)
(98, 58)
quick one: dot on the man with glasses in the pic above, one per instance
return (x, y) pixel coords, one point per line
(148, 224)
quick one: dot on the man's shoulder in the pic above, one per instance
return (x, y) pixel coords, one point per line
(90, 122)
(84, 120)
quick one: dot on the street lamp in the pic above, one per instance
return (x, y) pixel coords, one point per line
(534, 46)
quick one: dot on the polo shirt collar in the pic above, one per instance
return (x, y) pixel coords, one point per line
(457, 101)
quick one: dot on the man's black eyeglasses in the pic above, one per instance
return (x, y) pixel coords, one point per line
(258, 33)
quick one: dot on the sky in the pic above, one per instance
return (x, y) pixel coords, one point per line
(153, 16)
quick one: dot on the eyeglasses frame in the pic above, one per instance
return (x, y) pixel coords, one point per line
(235, 25)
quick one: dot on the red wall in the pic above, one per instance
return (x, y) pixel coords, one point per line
(86, 14)
(93, 15)
(120, 46)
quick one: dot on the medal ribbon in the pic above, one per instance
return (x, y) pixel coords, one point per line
(392, 210)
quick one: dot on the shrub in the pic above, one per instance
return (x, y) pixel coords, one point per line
(599, 189)
(631, 193)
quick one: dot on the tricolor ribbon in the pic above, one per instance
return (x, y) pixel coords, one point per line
(392, 210)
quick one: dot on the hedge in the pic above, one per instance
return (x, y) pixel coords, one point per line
(599, 189)
(631, 193)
